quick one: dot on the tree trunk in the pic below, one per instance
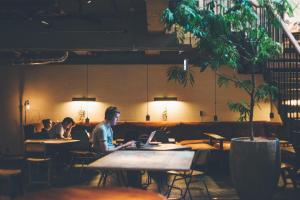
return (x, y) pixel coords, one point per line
(252, 105)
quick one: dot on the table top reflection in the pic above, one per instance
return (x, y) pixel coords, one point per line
(52, 141)
(145, 160)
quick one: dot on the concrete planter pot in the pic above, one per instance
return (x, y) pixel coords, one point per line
(255, 167)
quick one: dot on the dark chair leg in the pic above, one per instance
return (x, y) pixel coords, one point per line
(206, 188)
(101, 177)
(171, 186)
(29, 173)
(104, 179)
(292, 174)
(187, 183)
(49, 173)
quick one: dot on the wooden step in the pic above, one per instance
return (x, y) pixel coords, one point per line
(293, 115)
(292, 102)
(282, 59)
(291, 109)
(288, 84)
(284, 69)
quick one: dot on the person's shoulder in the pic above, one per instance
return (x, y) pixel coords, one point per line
(57, 125)
(100, 126)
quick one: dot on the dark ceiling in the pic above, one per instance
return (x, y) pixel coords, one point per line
(82, 31)
(70, 15)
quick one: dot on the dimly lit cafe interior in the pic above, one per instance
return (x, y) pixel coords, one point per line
(150, 99)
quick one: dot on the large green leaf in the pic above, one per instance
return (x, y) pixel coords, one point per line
(181, 76)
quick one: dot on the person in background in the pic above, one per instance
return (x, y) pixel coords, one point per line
(102, 135)
(62, 129)
(44, 134)
(47, 123)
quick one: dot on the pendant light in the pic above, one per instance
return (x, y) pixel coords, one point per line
(147, 116)
(85, 97)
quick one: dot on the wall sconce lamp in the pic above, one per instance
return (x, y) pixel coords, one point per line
(165, 98)
(27, 107)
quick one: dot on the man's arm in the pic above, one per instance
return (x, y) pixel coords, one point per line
(61, 133)
(101, 145)
(67, 133)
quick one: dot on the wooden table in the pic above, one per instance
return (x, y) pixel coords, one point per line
(12, 178)
(162, 147)
(92, 194)
(145, 160)
(213, 136)
(200, 147)
(52, 141)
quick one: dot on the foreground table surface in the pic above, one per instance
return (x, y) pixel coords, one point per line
(9, 172)
(52, 141)
(92, 194)
(147, 160)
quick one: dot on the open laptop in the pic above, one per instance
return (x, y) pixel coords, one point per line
(151, 136)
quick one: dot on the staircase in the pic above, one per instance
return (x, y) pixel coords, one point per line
(284, 72)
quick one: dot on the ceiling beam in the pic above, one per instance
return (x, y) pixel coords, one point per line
(88, 40)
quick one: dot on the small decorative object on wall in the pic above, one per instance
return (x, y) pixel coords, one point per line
(82, 114)
(165, 114)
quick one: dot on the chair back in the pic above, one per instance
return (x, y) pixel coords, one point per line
(84, 143)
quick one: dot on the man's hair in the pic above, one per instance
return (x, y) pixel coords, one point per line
(68, 120)
(110, 112)
(46, 121)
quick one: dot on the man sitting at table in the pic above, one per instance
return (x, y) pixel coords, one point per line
(102, 135)
(62, 129)
(44, 134)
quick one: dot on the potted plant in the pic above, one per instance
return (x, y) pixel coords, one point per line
(227, 34)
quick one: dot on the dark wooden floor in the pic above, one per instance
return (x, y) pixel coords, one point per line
(219, 185)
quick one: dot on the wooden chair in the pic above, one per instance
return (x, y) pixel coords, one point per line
(83, 158)
(82, 153)
(191, 176)
(288, 171)
(36, 157)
